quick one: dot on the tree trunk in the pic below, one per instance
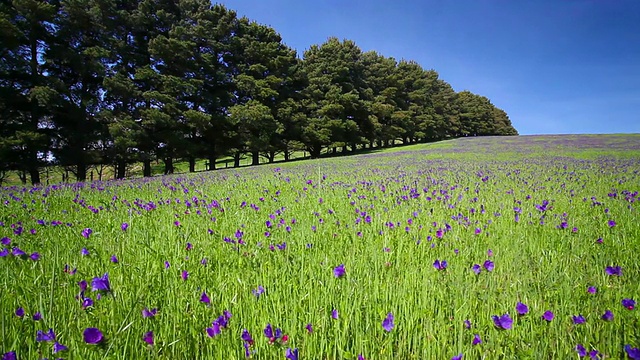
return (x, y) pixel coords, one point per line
(146, 167)
(121, 168)
(314, 152)
(192, 164)
(255, 158)
(287, 155)
(168, 165)
(212, 160)
(35, 176)
(236, 159)
(271, 156)
(81, 171)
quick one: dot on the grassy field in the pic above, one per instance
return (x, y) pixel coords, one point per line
(490, 248)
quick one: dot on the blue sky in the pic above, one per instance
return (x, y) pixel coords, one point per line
(556, 67)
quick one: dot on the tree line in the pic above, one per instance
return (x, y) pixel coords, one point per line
(85, 82)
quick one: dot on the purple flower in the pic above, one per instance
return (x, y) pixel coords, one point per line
(84, 252)
(214, 330)
(86, 232)
(166, 265)
(87, 302)
(309, 328)
(502, 322)
(204, 298)
(11, 355)
(35, 256)
(148, 337)
(57, 347)
(629, 303)
(272, 334)
(607, 316)
(387, 323)
(592, 290)
(18, 252)
(457, 357)
(5, 241)
(92, 336)
(476, 340)
(548, 315)
(185, 275)
(101, 283)
(257, 292)
(149, 313)
(82, 284)
(45, 336)
(632, 353)
(476, 269)
(246, 337)
(339, 271)
(4, 253)
(613, 270)
(522, 309)
(334, 314)
(611, 223)
(124, 226)
(578, 319)
(291, 354)
(440, 265)
(360, 357)
(582, 352)
(488, 265)
(20, 312)
(37, 316)
(593, 354)
(467, 324)
(114, 259)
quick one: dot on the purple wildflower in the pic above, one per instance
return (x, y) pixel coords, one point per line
(204, 298)
(611, 223)
(11, 355)
(467, 324)
(629, 303)
(101, 283)
(476, 340)
(548, 315)
(257, 292)
(20, 312)
(592, 290)
(146, 313)
(84, 252)
(632, 353)
(45, 336)
(607, 316)
(86, 232)
(246, 337)
(148, 337)
(214, 330)
(124, 226)
(37, 316)
(57, 347)
(387, 323)
(476, 269)
(114, 259)
(578, 319)
(309, 328)
(17, 252)
(185, 275)
(488, 265)
(582, 352)
(92, 336)
(339, 271)
(334, 314)
(440, 265)
(613, 270)
(291, 354)
(35, 256)
(502, 322)
(522, 309)
(87, 302)
(457, 357)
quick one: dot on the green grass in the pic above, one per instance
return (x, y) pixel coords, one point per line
(343, 210)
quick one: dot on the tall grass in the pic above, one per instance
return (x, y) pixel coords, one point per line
(386, 217)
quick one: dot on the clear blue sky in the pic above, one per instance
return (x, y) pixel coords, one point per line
(555, 66)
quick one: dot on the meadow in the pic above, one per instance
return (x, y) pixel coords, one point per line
(486, 248)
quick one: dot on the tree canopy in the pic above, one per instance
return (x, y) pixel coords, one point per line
(86, 82)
